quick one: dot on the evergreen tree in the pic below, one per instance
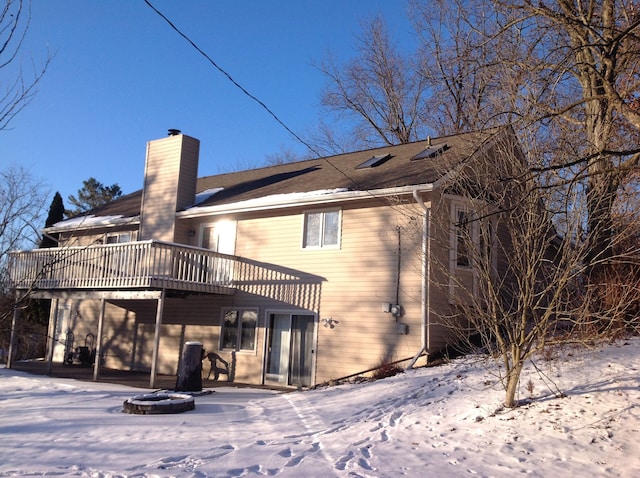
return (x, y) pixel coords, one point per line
(56, 214)
(92, 194)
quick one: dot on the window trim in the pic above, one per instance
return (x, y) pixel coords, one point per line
(455, 236)
(323, 212)
(118, 235)
(238, 342)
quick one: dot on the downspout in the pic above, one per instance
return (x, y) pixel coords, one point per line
(426, 281)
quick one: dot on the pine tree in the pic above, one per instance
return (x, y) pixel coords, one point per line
(56, 214)
(92, 194)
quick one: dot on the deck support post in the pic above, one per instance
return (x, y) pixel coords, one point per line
(12, 338)
(96, 361)
(53, 328)
(156, 340)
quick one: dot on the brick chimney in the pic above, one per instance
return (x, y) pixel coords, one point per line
(170, 175)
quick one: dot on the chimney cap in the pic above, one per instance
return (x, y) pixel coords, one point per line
(173, 132)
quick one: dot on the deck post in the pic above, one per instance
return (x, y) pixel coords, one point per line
(156, 340)
(53, 328)
(96, 362)
(13, 336)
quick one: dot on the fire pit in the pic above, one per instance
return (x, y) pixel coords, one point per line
(156, 403)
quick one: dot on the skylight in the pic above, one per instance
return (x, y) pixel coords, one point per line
(430, 152)
(374, 161)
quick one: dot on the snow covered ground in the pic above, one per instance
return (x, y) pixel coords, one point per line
(441, 421)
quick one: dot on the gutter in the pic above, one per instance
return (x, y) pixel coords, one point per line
(283, 201)
(426, 280)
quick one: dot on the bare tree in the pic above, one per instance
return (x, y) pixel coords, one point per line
(585, 66)
(17, 90)
(514, 283)
(22, 200)
(380, 92)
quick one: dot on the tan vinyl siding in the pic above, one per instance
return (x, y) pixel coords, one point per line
(169, 184)
(348, 285)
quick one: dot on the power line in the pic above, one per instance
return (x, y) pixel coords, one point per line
(254, 98)
(230, 78)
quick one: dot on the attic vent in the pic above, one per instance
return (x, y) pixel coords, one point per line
(374, 161)
(431, 152)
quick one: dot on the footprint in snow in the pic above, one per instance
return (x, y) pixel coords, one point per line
(286, 453)
(341, 464)
(365, 464)
(366, 452)
(395, 417)
(294, 461)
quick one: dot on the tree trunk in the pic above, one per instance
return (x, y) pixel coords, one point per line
(512, 386)
(190, 373)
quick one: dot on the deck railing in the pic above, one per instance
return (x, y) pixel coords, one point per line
(145, 264)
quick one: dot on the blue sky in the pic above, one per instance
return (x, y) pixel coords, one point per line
(121, 77)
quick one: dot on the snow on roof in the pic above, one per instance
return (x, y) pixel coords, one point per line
(82, 222)
(288, 198)
(206, 194)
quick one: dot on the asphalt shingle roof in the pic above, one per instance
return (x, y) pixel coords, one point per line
(325, 173)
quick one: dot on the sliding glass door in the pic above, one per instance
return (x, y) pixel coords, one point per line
(290, 349)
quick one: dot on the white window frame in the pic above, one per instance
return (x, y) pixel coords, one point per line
(238, 340)
(119, 236)
(321, 244)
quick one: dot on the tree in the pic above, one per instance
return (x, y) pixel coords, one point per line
(284, 156)
(564, 75)
(56, 214)
(381, 92)
(92, 195)
(21, 206)
(516, 286)
(36, 311)
(18, 92)
(565, 71)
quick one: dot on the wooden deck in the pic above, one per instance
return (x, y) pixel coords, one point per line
(144, 265)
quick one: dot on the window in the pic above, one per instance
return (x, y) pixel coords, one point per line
(473, 239)
(430, 152)
(374, 161)
(321, 229)
(119, 237)
(219, 237)
(239, 329)
(463, 238)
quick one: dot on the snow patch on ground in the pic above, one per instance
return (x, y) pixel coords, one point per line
(447, 420)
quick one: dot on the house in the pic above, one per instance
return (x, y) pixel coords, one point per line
(294, 274)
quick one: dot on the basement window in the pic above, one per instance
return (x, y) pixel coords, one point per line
(430, 152)
(239, 329)
(374, 161)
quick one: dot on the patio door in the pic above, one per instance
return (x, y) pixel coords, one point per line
(290, 349)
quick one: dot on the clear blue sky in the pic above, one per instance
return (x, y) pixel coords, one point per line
(121, 76)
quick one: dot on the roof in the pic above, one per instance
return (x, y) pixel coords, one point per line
(368, 171)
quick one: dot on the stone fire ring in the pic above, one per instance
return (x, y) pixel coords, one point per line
(156, 403)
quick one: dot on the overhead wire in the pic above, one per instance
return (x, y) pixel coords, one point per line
(253, 97)
(231, 79)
